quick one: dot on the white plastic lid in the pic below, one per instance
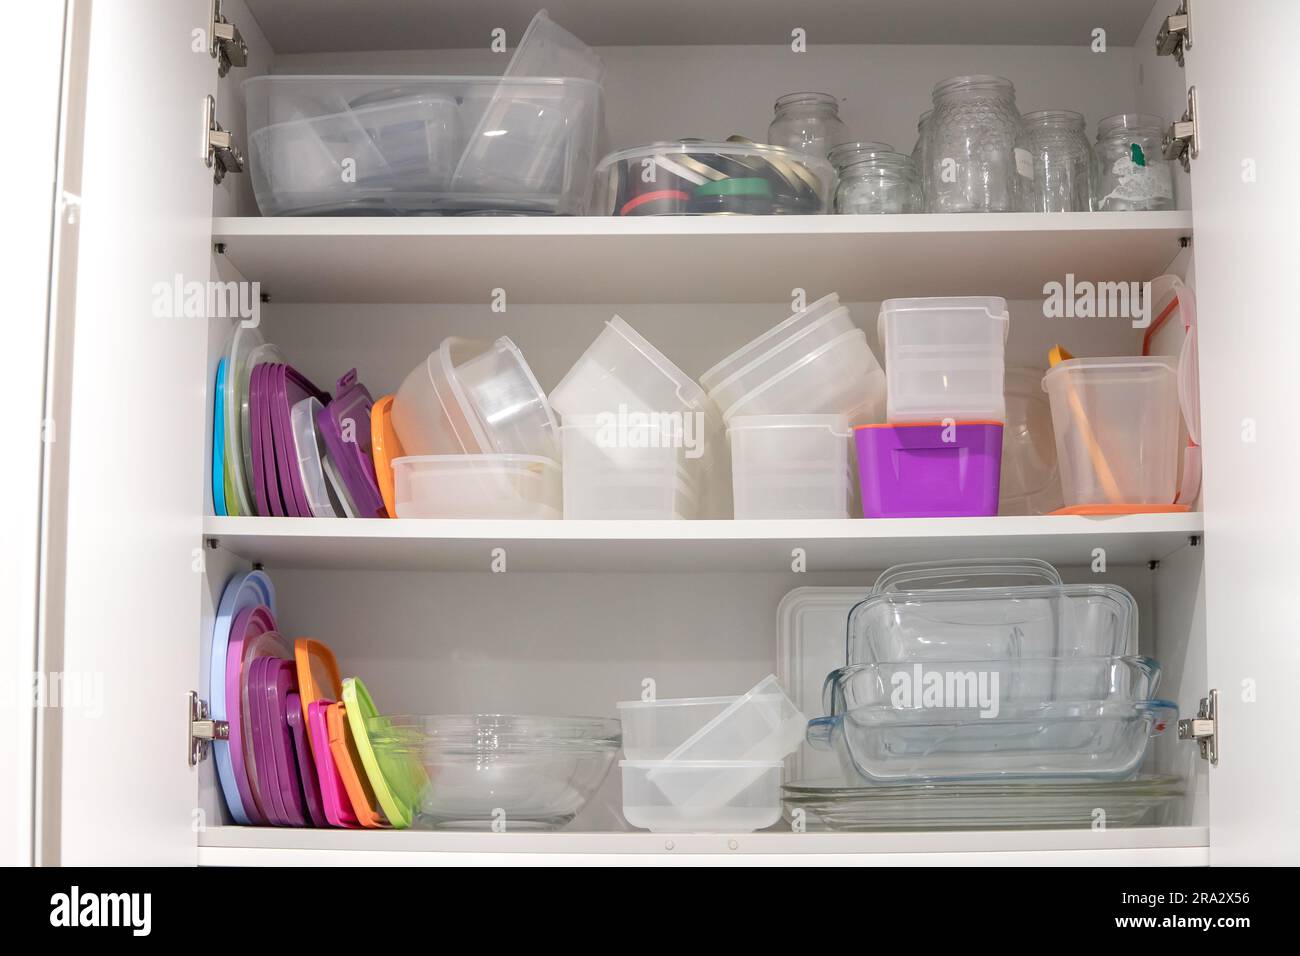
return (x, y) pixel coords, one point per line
(311, 453)
(688, 391)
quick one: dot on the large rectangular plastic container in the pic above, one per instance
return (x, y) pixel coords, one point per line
(928, 470)
(419, 145)
(1116, 422)
(791, 466)
(944, 358)
(616, 469)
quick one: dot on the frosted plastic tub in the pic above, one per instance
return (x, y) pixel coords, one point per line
(477, 486)
(755, 800)
(622, 470)
(421, 145)
(652, 729)
(697, 178)
(945, 358)
(789, 352)
(1117, 426)
(472, 397)
(793, 327)
(841, 377)
(791, 466)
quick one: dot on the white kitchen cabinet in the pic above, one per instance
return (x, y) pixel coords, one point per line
(588, 609)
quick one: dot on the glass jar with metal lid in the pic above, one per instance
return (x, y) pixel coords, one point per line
(1055, 162)
(1134, 173)
(808, 123)
(877, 183)
(969, 149)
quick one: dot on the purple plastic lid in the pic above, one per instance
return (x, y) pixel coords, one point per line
(263, 393)
(267, 776)
(255, 439)
(281, 681)
(306, 763)
(349, 415)
(290, 387)
(248, 623)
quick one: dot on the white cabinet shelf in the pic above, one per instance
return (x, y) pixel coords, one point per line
(676, 259)
(830, 545)
(268, 846)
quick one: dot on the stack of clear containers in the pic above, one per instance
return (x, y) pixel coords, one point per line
(971, 671)
(708, 763)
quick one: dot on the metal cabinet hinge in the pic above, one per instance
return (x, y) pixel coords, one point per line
(1204, 728)
(1175, 36)
(225, 43)
(220, 152)
(203, 729)
(1182, 141)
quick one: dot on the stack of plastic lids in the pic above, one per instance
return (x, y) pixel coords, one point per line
(300, 749)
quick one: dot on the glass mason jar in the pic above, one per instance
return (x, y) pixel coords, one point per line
(879, 182)
(808, 123)
(1055, 162)
(1134, 173)
(846, 154)
(918, 150)
(970, 142)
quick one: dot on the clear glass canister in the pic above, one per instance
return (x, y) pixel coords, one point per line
(1134, 173)
(846, 154)
(918, 151)
(879, 182)
(808, 123)
(1055, 162)
(970, 163)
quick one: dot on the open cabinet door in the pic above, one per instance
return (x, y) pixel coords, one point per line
(117, 787)
(1247, 249)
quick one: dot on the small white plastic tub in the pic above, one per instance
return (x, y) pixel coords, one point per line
(626, 469)
(1117, 426)
(792, 328)
(477, 486)
(652, 729)
(754, 803)
(472, 397)
(841, 377)
(945, 358)
(789, 352)
(792, 466)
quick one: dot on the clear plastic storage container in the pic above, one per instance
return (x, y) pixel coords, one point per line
(791, 466)
(755, 800)
(477, 486)
(627, 468)
(944, 358)
(698, 178)
(1117, 424)
(652, 729)
(421, 145)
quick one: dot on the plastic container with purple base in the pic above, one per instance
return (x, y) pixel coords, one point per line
(929, 470)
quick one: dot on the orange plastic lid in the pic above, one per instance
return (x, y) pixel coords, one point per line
(346, 760)
(384, 447)
(955, 423)
(1097, 510)
(318, 672)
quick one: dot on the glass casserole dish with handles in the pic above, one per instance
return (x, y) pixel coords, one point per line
(930, 612)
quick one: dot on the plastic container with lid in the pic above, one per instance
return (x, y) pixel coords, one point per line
(791, 466)
(929, 470)
(634, 470)
(1029, 483)
(472, 397)
(945, 358)
(735, 177)
(755, 800)
(771, 341)
(841, 377)
(652, 729)
(1117, 426)
(477, 486)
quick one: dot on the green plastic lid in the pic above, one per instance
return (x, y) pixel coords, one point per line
(744, 186)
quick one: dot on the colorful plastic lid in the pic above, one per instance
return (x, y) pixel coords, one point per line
(247, 349)
(384, 447)
(344, 426)
(318, 672)
(392, 796)
(252, 637)
(1120, 509)
(271, 683)
(242, 591)
(219, 442)
(348, 764)
(310, 452)
(745, 186)
(295, 717)
(334, 795)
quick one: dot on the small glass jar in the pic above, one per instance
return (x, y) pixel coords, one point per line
(808, 123)
(1134, 173)
(879, 183)
(1055, 162)
(846, 154)
(970, 161)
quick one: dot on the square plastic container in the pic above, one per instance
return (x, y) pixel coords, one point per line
(945, 358)
(652, 729)
(841, 377)
(616, 469)
(477, 486)
(929, 470)
(754, 801)
(791, 466)
(1117, 425)
(773, 338)
(421, 145)
(472, 397)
